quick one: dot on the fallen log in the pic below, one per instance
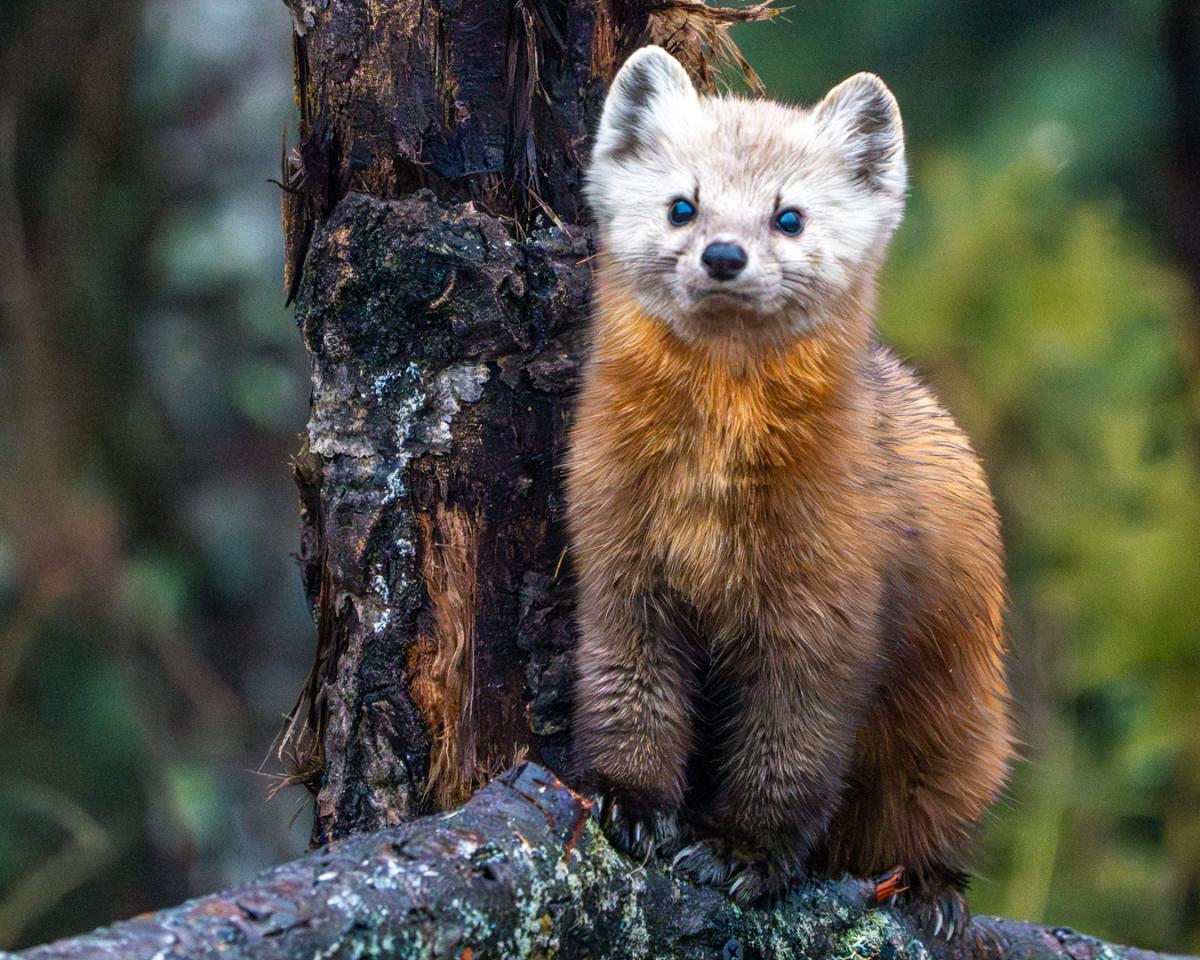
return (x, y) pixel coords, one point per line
(521, 870)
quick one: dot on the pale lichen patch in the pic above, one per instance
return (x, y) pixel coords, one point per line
(452, 387)
(304, 13)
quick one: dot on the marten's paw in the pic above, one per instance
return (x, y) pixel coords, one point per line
(634, 826)
(706, 861)
(751, 878)
(762, 882)
(943, 913)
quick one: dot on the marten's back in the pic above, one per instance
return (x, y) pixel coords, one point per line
(941, 521)
(934, 751)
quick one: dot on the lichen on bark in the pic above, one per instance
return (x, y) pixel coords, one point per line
(521, 871)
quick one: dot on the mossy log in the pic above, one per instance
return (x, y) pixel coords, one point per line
(522, 871)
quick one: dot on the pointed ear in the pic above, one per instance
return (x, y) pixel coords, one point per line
(864, 118)
(648, 89)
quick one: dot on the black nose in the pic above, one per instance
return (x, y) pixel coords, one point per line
(724, 261)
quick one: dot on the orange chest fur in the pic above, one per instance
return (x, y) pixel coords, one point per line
(740, 489)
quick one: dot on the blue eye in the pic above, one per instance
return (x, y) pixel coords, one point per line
(790, 222)
(681, 212)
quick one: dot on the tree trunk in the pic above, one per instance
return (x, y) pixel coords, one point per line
(434, 248)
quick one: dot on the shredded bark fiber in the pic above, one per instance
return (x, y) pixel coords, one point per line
(442, 664)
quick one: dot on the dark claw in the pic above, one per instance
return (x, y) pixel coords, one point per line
(761, 883)
(635, 828)
(704, 862)
(945, 915)
(751, 878)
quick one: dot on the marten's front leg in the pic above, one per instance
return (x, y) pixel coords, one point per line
(785, 755)
(635, 680)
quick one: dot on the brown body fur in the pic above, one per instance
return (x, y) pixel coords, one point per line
(790, 596)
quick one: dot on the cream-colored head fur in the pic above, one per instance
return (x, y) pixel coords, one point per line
(740, 163)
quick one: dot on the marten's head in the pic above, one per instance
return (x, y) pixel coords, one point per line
(744, 220)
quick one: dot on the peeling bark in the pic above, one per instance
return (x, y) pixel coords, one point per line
(521, 871)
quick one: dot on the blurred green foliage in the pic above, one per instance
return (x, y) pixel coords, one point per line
(151, 386)
(1029, 286)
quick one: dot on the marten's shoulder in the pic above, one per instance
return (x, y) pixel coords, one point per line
(944, 528)
(911, 424)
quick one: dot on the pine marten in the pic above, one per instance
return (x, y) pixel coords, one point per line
(790, 576)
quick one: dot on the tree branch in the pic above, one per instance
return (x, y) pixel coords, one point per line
(521, 871)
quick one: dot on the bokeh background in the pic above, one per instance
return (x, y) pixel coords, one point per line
(152, 385)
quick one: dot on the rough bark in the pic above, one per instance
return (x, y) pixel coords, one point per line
(521, 871)
(432, 227)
